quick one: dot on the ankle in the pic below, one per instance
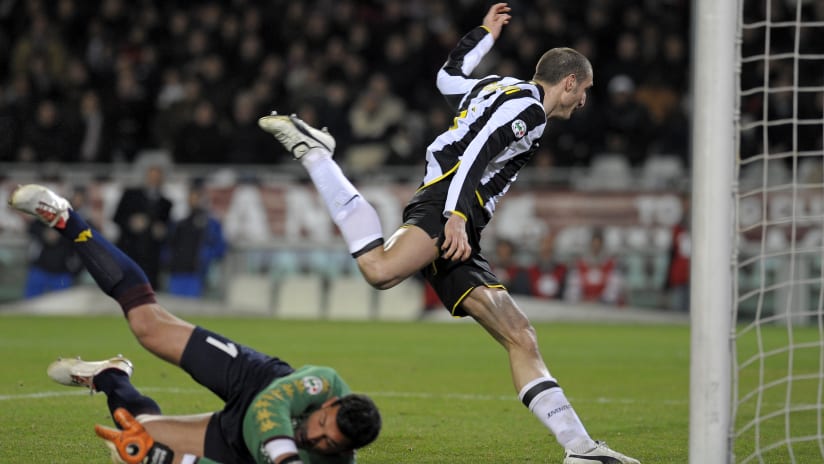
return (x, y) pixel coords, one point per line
(313, 156)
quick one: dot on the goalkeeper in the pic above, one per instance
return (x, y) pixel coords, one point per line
(273, 413)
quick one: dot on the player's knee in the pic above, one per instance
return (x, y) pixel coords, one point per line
(144, 322)
(381, 283)
(526, 337)
(521, 335)
(378, 276)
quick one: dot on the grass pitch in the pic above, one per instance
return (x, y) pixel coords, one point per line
(443, 388)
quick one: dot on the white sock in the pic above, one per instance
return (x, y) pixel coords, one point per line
(355, 217)
(549, 404)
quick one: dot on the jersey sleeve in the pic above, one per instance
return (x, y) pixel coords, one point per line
(517, 125)
(453, 79)
(271, 412)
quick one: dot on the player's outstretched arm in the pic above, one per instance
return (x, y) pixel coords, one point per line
(133, 444)
(496, 18)
(453, 79)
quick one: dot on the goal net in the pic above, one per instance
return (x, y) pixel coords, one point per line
(777, 332)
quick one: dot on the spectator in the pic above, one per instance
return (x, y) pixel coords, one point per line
(174, 105)
(626, 122)
(40, 55)
(514, 276)
(374, 116)
(93, 143)
(200, 140)
(333, 113)
(247, 144)
(595, 276)
(46, 137)
(549, 274)
(678, 270)
(143, 215)
(194, 244)
(130, 112)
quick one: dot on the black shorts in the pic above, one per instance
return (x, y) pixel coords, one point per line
(451, 280)
(236, 374)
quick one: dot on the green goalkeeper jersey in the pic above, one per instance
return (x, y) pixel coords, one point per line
(278, 408)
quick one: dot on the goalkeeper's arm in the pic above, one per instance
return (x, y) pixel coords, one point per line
(134, 445)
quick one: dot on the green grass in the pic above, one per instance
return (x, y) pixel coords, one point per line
(444, 389)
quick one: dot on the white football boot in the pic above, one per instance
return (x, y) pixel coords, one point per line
(600, 454)
(295, 135)
(74, 372)
(42, 203)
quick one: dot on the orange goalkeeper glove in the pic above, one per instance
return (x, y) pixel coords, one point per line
(133, 444)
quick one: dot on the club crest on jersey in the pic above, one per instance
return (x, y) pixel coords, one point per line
(312, 384)
(518, 128)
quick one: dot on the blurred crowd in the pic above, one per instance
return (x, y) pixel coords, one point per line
(101, 81)
(593, 275)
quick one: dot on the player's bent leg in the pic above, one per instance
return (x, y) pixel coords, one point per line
(183, 434)
(111, 377)
(407, 251)
(160, 332)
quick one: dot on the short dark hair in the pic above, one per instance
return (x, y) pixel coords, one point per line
(358, 419)
(559, 63)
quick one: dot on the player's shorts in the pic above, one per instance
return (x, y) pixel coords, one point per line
(236, 374)
(451, 280)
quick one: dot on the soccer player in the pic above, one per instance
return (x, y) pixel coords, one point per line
(498, 123)
(273, 413)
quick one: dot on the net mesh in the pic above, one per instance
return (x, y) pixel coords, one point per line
(778, 337)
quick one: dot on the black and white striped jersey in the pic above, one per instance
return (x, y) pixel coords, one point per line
(498, 123)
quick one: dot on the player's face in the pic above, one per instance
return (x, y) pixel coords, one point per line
(573, 98)
(320, 432)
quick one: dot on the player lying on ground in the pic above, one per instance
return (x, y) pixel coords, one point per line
(273, 413)
(469, 167)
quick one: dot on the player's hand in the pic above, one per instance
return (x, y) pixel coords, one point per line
(133, 444)
(496, 18)
(455, 242)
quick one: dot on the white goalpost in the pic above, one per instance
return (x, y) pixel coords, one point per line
(713, 151)
(757, 299)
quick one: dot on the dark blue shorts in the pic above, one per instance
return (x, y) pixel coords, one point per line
(236, 374)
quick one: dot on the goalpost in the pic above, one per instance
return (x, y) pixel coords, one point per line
(757, 299)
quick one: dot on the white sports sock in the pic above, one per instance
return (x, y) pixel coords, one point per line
(355, 217)
(552, 408)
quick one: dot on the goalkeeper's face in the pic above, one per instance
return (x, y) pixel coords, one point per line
(319, 432)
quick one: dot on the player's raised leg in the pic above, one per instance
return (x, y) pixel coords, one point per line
(382, 266)
(116, 274)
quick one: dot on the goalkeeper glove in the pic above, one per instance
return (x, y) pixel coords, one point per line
(133, 444)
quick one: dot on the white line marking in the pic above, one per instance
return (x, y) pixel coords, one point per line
(84, 392)
(390, 394)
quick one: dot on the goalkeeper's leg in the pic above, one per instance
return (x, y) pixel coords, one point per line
(111, 376)
(156, 329)
(115, 273)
